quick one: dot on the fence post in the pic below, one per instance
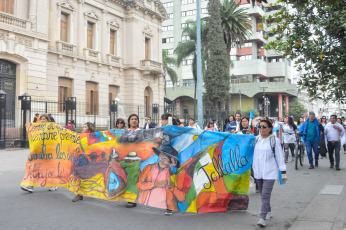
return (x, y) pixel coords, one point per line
(71, 105)
(113, 114)
(186, 116)
(25, 117)
(2, 119)
(155, 113)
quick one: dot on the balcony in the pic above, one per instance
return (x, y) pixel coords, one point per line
(246, 67)
(276, 69)
(91, 54)
(257, 37)
(152, 67)
(14, 21)
(256, 11)
(113, 60)
(66, 48)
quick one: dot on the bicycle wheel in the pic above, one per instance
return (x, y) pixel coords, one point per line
(297, 156)
(301, 156)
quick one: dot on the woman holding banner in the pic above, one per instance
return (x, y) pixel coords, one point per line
(87, 128)
(268, 160)
(44, 118)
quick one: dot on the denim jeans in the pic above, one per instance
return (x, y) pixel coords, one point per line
(309, 145)
(331, 147)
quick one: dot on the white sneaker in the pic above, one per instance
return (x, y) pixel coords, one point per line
(269, 215)
(29, 189)
(52, 188)
(261, 222)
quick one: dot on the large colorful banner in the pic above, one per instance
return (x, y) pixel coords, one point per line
(169, 167)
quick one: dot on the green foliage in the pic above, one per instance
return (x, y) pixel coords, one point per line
(187, 49)
(235, 26)
(216, 79)
(296, 109)
(312, 33)
(167, 61)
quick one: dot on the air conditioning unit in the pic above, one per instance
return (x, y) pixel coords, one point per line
(258, 50)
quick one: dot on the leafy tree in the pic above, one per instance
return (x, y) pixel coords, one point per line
(312, 33)
(187, 49)
(216, 79)
(235, 25)
(296, 109)
(167, 61)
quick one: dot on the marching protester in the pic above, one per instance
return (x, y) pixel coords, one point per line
(87, 128)
(210, 126)
(267, 161)
(313, 128)
(234, 126)
(245, 127)
(120, 124)
(334, 131)
(229, 120)
(71, 126)
(44, 118)
(289, 138)
(192, 124)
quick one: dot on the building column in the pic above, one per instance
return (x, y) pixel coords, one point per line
(280, 105)
(81, 29)
(286, 105)
(33, 14)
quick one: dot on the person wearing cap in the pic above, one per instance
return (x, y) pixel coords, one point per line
(313, 128)
(155, 187)
(210, 126)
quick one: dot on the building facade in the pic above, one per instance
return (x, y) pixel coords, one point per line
(92, 50)
(260, 79)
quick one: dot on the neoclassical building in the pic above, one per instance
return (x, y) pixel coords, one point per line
(90, 49)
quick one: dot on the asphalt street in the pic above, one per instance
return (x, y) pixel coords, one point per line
(296, 205)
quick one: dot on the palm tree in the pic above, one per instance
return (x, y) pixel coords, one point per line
(187, 49)
(167, 62)
(235, 24)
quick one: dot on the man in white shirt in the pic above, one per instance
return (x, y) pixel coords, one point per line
(334, 131)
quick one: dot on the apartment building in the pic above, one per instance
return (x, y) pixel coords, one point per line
(260, 79)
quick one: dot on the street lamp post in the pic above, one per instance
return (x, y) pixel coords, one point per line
(264, 100)
(199, 67)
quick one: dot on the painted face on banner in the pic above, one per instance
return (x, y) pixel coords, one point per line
(164, 161)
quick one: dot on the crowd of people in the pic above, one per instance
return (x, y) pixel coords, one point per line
(275, 140)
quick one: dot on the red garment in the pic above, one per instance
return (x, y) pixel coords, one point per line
(146, 183)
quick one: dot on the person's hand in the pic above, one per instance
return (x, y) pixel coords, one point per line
(233, 131)
(170, 184)
(160, 184)
(284, 179)
(249, 130)
(336, 127)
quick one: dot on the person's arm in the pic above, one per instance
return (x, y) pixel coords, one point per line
(279, 156)
(142, 183)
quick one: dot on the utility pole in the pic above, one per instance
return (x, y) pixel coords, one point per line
(240, 101)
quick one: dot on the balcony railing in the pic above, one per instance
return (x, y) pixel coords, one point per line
(65, 47)
(92, 54)
(151, 65)
(113, 60)
(13, 21)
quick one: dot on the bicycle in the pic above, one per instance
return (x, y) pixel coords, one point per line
(300, 153)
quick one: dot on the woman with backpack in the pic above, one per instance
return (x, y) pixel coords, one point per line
(268, 159)
(290, 130)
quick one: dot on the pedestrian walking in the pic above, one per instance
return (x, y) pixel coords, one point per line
(267, 161)
(313, 128)
(334, 132)
(322, 145)
(87, 128)
(289, 137)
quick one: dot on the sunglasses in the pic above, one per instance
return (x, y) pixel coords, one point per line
(120, 123)
(69, 123)
(262, 126)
